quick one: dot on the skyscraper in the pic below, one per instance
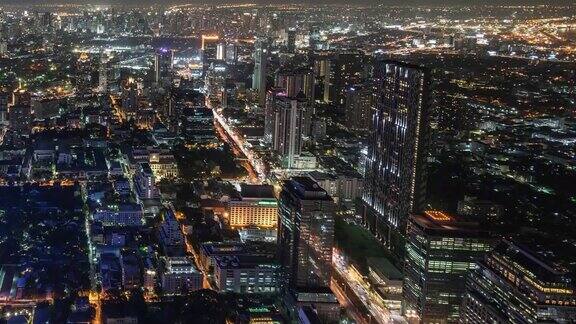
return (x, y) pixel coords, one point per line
(305, 234)
(513, 285)
(289, 122)
(298, 82)
(83, 75)
(440, 250)
(344, 69)
(260, 70)
(163, 63)
(395, 169)
(360, 105)
(221, 51)
(209, 48)
(294, 81)
(4, 99)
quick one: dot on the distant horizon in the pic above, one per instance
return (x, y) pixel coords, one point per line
(402, 3)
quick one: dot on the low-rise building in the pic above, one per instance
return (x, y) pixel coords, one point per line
(246, 274)
(256, 206)
(180, 276)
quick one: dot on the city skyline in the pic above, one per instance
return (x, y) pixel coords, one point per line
(378, 163)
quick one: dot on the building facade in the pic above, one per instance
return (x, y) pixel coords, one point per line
(256, 206)
(395, 173)
(305, 234)
(513, 285)
(440, 250)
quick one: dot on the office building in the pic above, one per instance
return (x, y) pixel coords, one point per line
(513, 285)
(289, 122)
(163, 64)
(256, 206)
(20, 113)
(305, 241)
(209, 48)
(395, 173)
(440, 250)
(4, 100)
(119, 215)
(198, 125)
(246, 274)
(180, 276)
(221, 52)
(83, 75)
(170, 235)
(293, 81)
(305, 233)
(341, 71)
(483, 210)
(260, 70)
(360, 105)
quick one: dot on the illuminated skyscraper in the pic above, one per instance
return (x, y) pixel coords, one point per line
(260, 70)
(440, 250)
(4, 98)
(163, 63)
(305, 233)
(209, 48)
(344, 69)
(305, 241)
(294, 81)
(221, 52)
(395, 184)
(298, 82)
(513, 285)
(289, 122)
(360, 105)
(83, 75)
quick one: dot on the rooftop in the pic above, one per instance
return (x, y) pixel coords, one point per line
(306, 188)
(257, 191)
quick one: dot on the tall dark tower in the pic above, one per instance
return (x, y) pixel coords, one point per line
(395, 184)
(163, 63)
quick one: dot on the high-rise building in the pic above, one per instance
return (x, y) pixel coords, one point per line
(345, 69)
(260, 70)
(256, 206)
(210, 48)
(294, 81)
(298, 82)
(232, 53)
(270, 113)
(163, 63)
(20, 113)
(305, 241)
(513, 285)
(103, 71)
(395, 184)
(4, 99)
(440, 250)
(83, 75)
(3, 47)
(360, 105)
(305, 234)
(221, 51)
(289, 122)
(198, 125)
(291, 40)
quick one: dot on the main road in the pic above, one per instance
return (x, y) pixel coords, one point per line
(253, 164)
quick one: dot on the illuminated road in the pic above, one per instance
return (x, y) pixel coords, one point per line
(358, 287)
(254, 166)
